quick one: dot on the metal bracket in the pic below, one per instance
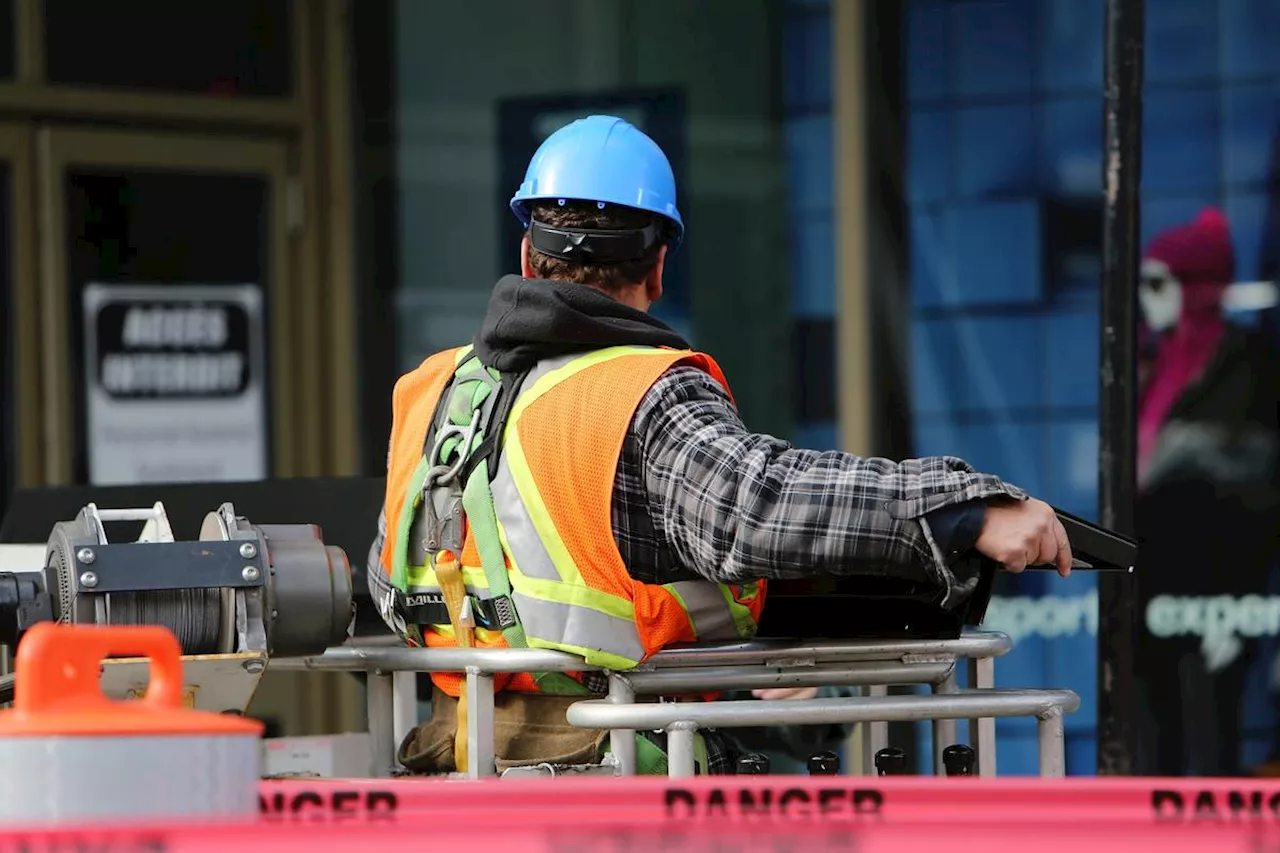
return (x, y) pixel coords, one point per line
(251, 630)
(147, 566)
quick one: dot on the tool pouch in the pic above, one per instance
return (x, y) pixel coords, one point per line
(528, 729)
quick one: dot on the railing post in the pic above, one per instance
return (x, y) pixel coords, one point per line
(944, 731)
(622, 742)
(875, 735)
(380, 707)
(404, 698)
(1052, 739)
(680, 753)
(982, 731)
(480, 758)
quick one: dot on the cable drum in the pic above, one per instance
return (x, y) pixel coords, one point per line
(193, 615)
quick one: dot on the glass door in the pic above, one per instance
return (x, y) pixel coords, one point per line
(171, 338)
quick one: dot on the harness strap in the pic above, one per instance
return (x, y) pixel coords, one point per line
(493, 431)
(477, 503)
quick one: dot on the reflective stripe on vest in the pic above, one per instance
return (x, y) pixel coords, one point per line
(569, 587)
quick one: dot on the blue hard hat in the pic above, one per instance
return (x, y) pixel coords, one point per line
(602, 159)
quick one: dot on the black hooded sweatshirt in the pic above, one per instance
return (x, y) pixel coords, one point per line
(529, 320)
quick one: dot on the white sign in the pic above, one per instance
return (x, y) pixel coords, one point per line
(1047, 616)
(174, 383)
(1214, 616)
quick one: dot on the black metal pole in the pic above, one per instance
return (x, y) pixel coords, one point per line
(1117, 409)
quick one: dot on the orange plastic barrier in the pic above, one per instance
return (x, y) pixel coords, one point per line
(67, 751)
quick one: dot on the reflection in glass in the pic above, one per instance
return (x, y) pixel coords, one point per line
(229, 48)
(1003, 165)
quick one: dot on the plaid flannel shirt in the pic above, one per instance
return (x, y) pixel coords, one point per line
(696, 495)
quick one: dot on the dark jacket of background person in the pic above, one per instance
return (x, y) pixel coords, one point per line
(1206, 514)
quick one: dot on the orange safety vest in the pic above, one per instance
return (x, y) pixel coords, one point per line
(552, 493)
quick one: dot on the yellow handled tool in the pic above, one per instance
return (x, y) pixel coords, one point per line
(449, 574)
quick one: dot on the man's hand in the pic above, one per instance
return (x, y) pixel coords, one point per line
(786, 693)
(1018, 534)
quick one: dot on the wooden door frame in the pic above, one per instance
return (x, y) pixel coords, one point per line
(60, 150)
(30, 93)
(338, 244)
(23, 308)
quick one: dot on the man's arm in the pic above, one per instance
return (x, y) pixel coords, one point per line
(736, 506)
(956, 527)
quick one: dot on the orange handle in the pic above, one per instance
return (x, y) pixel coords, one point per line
(59, 664)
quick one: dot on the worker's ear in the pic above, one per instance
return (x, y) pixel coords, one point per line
(526, 267)
(653, 282)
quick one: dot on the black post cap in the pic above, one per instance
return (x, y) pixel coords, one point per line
(891, 761)
(824, 764)
(958, 760)
(753, 764)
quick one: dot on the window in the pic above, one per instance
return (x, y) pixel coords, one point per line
(230, 48)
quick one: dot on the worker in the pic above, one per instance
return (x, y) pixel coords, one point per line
(578, 478)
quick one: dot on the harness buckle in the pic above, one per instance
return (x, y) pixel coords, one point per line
(429, 608)
(450, 529)
(504, 612)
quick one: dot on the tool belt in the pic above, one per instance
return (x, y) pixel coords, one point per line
(529, 729)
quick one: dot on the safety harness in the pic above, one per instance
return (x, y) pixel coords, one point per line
(451, 487)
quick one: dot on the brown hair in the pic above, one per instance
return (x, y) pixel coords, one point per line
(587, 214)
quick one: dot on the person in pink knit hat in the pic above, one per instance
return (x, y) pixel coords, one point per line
(1209, 492)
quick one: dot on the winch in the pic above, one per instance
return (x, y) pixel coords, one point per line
(238, 595)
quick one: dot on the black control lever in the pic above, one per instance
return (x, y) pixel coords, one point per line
(1095, 548)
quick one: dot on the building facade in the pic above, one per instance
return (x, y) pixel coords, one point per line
(893, 210)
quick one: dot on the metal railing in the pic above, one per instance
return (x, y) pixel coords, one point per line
(874, 665)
